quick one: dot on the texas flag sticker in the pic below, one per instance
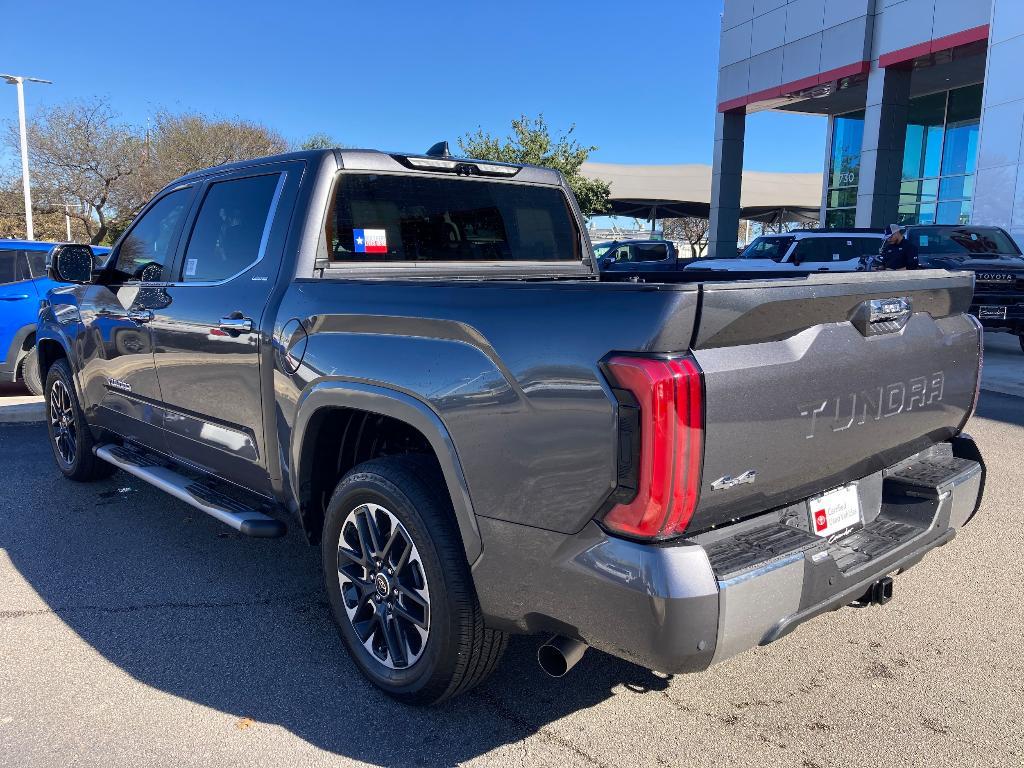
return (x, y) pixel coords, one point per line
(370, 240)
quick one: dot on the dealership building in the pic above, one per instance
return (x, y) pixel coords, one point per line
(924, 99)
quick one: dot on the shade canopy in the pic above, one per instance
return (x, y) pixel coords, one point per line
(672, 191)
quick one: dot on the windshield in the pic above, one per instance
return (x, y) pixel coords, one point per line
(773, 248)
(972, 242)
(403, 218)
(601, 249)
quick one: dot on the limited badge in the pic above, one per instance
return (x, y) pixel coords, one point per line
(370, 240)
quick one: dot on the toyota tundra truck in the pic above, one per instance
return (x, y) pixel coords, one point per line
(411, 360)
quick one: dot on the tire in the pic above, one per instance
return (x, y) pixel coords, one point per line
(397, 508)
(70, 438)
(30, 372)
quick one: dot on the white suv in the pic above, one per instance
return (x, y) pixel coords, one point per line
(800, 252)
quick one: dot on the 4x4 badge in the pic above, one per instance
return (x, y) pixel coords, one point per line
(724, 483)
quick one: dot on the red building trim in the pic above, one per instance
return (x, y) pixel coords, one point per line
(907, 55)
(778, 91)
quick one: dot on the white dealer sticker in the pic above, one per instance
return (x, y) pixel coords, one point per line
(834, 511)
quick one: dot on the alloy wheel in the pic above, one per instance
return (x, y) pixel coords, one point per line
(62, 422)
(383, 586)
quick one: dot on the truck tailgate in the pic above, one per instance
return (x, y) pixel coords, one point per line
(803, 392)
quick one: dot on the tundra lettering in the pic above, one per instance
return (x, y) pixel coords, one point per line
(858, 408)
(411, 361)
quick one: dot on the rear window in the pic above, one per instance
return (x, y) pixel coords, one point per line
(399, 218)
(773, 248)
(934, 241)
(18, 264)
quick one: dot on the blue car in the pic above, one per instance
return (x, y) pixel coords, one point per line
(23, 282)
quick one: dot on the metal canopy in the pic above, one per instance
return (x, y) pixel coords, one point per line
(672, 191)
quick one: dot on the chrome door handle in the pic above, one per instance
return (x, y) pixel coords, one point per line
(139, 315)
(236, 324)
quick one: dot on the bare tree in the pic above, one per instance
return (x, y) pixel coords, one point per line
(83, 156)
(189, 142)
(692, 229)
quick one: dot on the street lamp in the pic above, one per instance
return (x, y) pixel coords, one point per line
(20, 82)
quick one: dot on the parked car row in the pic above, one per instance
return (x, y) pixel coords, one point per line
(23, 283)
(989, 252)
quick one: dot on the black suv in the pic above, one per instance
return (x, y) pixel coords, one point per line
(994, 258)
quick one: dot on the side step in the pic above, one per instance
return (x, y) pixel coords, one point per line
(145, 466)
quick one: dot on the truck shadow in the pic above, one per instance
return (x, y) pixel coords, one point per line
(242, 626)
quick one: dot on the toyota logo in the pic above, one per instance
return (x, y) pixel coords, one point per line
(995, 277)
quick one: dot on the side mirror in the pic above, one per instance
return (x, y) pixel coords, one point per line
(607, 261)
(70, 263)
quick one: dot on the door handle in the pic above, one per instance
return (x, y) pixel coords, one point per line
(140, 315)
(18, 297)
(236, 324)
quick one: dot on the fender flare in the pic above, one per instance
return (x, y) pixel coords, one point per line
(15, 352)
(403, 407)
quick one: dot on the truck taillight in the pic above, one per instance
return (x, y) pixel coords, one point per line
(670, 400)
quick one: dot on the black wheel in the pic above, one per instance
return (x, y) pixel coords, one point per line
(70, 438)
(30, 372)
(399, 585)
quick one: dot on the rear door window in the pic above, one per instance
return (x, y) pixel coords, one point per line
(405, 218)
(8, 266)
(230, 228)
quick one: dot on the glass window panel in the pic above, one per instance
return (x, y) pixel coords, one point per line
(926, 117)
(929, 190)
(956, 187)
(965, 104)
(926, 214)
(961, 149)
(847, 136)
(842, 198)
(907, 215)
(842, 218)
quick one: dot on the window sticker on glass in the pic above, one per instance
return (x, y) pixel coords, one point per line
(923, 241)
(370, 240)
(191, 265)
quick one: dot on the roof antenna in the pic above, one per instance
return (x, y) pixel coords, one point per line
(439, 150)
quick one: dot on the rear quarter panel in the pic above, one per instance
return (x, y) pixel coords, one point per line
(510, 368)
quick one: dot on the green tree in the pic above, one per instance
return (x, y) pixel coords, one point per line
(531, 142)
(318, 140)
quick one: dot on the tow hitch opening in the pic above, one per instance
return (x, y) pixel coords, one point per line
(878, 593)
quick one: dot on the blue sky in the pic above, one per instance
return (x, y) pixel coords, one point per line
(638, 79)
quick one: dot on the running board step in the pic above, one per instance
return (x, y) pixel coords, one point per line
(146, 466)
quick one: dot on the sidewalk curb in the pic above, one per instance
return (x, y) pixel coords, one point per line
(23, 413)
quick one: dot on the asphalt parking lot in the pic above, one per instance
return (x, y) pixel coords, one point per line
(135, 631)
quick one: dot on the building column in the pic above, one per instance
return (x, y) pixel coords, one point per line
(881, 155)
(726, 182)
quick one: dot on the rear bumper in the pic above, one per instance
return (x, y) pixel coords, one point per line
(683, 607)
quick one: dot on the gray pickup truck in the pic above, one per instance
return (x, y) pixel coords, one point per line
(410, 359)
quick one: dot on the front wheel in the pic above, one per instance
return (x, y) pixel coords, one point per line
(399, 585)
(70, 438)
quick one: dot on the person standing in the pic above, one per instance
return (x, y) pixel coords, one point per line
(898, 251)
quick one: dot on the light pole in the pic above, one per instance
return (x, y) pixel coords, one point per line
(19, 81)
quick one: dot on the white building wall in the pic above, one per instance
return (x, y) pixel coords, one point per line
(999, 191)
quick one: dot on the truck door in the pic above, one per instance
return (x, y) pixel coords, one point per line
(207, 339)
(117, 376)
